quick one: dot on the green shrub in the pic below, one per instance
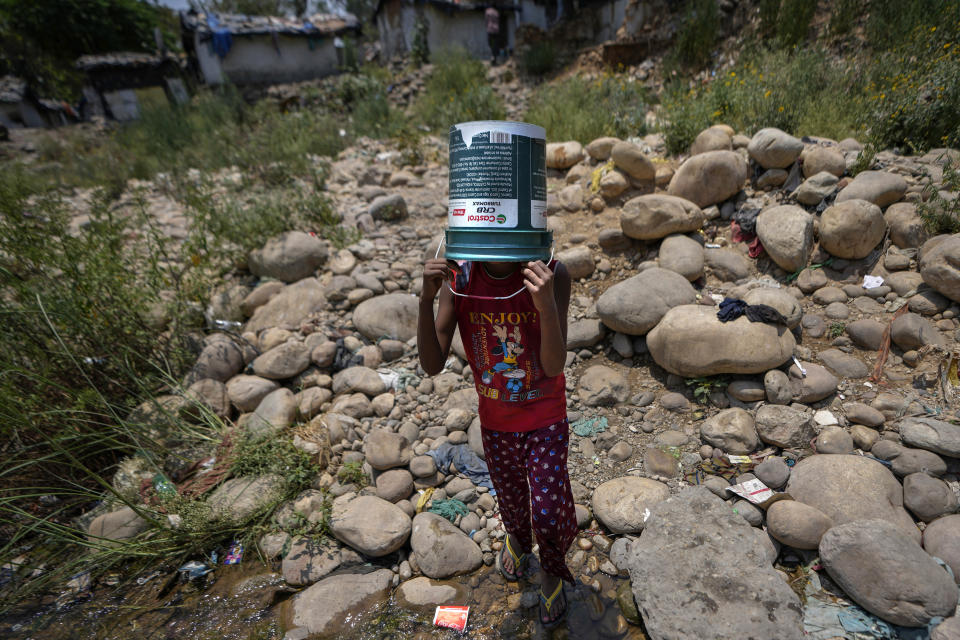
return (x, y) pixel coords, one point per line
(794, 21)
(274, 456)
(940, 214)
(581, 109)
(697, 33)
(457, 91)
(890, 22)
(844, 16)
(769, 12)
(539, 59)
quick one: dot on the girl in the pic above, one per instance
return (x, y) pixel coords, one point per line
(516, 347)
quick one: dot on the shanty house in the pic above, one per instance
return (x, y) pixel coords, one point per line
(263, 50)
(115, 84)
(18, 108)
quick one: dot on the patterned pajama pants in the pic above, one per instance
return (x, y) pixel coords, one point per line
(530, 468)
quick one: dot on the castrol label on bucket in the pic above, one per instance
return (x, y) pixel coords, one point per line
(498, 176)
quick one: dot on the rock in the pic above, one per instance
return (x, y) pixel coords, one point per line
(422, 593)
(682, 254)
(329, 608)
(600, 148)
(829, 295)
(613, 240)
(393, 315)
(879, 187)
(907, 230)
(739, 596)
(780, 300)
(784, 427)
(276, 412)
(358, 379)
(777, 387)
(844, 364)
(731, 430)
(928, 498)
(584, 333)
(656, 216)
(850, 488)
(290, 306)
(896, 260)
(941, 539)
(814, 189)
(904, 282)
(579, 262)
(772, 178)
(307, 561)
(246, 392)
(786, 232)
(563, 155)
(949, 629)
(206, 394)
(772, 148)
(620, 452)
(727, 264)
(108, 529)
(371, 525)
(907, 588)
(395, 485)
(282, 362)
(864, 437)
(389, 208)
(636, 305)
(239, 499)
(712, 139)
(909, 461)
(386, 450)
(867, 334)
(912, 331)
(746, 390)
(940, 267)
(815, 386)
(690, 341)
(796, 524)
(571, 197)
(709, 178)
(851, 229)
(629, 158)
(810, 280)
(441, 549)
(824, 159)
(660, 463)
(928, 303)
(773, 472)
(863, 414)
(219, 360)
(260, 296)
(933, 435)
(600, 386)
(289, 257)
(834, 439)
(621, 504)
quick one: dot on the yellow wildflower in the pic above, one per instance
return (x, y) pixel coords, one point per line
(767, 94)
(780, 108)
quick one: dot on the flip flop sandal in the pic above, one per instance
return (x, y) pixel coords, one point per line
(519, 563)
(548, 604)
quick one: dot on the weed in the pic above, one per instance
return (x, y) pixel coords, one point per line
(581, 109)
(865, 159)
(538, 59)
(420, 48)
(837, 329)
(794, 21)
(844, 16)
(352, 473)
(457, 91)
(697, 33)
(890, 22)
(704, 386)
(940, 214)
(274, 456)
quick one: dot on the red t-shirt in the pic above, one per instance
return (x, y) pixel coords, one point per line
(502, 342)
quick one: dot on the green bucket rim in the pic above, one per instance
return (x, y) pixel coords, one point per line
(482, 245)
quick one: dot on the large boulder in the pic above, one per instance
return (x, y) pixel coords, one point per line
(786, 232)
(358, 379)
(940, 267)
(851, 229)
(289, 307)
(941, 539)
(441, 549)
(712, 139)
(796, 524)
(563, 155)
(328, 609)
(289, 257)
(690, 341)
(731, 430)
(879, 187)
(220, 360)
(656, 216)
(239, 499)
(622, 504)
(637, 304)
(630, 159)
(907, 230)
(109, 529)
(907, 588)
(931, 434)
(823, 159)
(282, 362)
(276, 412)
(393, 315)
(246, 392)
(699, 570)
(369, 524)
(772, 148)
(709, 178)
(682, 254)
(913, 331)
(386, 449)
(850, 488)
(780, 300)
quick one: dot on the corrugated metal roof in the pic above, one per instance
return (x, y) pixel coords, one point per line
(121, 59)
(317, 24)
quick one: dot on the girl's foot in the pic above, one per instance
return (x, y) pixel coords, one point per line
(512, 566)
(553, 608)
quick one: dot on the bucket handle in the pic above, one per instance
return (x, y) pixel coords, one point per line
(443, 241)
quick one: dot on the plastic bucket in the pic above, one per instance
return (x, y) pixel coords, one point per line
(498, 193)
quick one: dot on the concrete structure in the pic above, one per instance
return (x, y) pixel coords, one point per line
(18, 108)
(264, 50)
(113, 80)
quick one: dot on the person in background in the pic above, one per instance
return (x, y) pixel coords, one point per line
(493, 32)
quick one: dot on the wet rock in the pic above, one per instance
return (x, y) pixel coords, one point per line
(908, 588)
(772, 148)
(308, 561)
(637, 304)
(879, 187)
(656, 216)
(851, 229)
(928, 498)
(393, 315)
(371, 525)
(621, 504)
(786, 232)
(239, 499)
(686, 533)
(796, 524)
(784, 427)
(289, 257)
(731, 430)
(441, 549)
(709, 178)
(328, 607)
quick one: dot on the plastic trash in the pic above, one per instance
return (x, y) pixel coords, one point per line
(231, 325)
(195, 569)
(234, 553)
(164, 488)
(872, 282)
(589, 427)
(451, 617)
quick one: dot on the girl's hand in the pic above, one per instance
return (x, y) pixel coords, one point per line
(538, 279)
(435, 271)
